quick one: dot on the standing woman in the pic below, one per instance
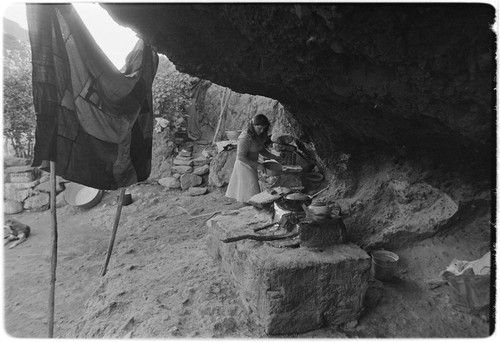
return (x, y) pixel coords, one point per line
(244, 182)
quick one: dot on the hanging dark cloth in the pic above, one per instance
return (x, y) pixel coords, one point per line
(198, 93)
(93, 120)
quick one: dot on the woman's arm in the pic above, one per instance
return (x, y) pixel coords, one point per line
(266, 154)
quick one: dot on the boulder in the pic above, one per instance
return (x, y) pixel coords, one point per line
(397, 212)
(60, 200)
(45, 177)
(47, 187)
(188, 180)
(15, 194)
(221, 168)
(170, 182)
(201, 170)
(37, 202)
(12, 207)
(209, 152)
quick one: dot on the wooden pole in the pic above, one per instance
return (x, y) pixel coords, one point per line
(113, 234)
(53, 263)
(223, 108)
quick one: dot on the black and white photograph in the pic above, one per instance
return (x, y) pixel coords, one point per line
(249, 170)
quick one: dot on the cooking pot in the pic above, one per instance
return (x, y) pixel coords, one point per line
(273, 168)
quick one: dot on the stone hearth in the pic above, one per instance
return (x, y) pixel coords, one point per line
(289, 290)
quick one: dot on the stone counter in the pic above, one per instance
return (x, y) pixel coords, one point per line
(290, 290)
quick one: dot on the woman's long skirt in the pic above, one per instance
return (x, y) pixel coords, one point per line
(244, 182)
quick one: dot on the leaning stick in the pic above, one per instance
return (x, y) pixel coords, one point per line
(113, 234)
(260, 237)
(53, 262)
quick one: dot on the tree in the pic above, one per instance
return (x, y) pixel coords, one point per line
(19, 115)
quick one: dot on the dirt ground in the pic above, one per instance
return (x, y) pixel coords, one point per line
(161, 283)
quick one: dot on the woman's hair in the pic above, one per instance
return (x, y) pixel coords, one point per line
(258, 120)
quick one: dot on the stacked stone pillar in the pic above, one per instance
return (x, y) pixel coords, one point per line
(188, 173)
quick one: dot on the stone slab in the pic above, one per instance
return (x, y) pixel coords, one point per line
(195, 191)
(185, 154)
(28, 185)
(201, 170)
(290, 290)
(181, 161)
(200, 161)
(182, 169)
(21, 177)
(267, 197)
(15, 169)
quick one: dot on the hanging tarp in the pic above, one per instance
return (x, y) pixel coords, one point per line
(93, 120)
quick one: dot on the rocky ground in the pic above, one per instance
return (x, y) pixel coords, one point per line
(161, 283)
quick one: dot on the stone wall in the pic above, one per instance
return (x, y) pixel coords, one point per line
(27, 188)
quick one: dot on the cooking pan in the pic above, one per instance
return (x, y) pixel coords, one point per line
(295, 200)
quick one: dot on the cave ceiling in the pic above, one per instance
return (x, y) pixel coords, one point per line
(414, 79)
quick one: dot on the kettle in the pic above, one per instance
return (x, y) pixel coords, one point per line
(319, 209)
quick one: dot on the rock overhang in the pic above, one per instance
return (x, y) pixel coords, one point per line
(409, 79)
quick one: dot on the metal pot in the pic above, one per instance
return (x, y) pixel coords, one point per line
(273, 168)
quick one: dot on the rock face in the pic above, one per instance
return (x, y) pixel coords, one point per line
(408, 79)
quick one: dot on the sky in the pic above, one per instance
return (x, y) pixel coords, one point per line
(116, 41)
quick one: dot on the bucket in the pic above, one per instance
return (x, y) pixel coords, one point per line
(127, 199)
(384, 264)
